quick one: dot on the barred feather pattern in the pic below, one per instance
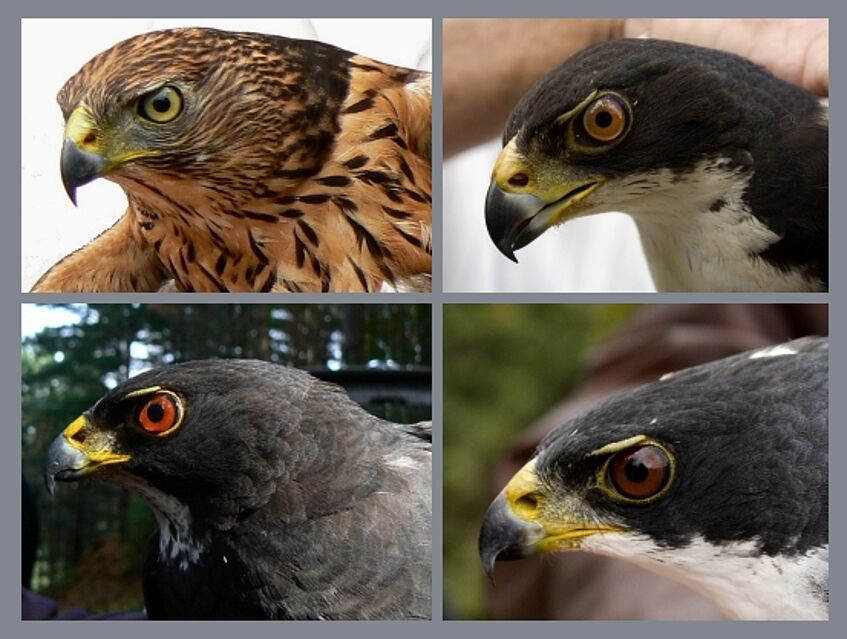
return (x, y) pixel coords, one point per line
(295, 166)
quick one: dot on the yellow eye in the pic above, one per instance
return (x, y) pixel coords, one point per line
(605, 119)
(161, 106)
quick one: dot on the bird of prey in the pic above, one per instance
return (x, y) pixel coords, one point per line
(722, 166)
(250, 162)
(276, 496)
(715, 476)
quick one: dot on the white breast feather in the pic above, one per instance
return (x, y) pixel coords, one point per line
(742, 581)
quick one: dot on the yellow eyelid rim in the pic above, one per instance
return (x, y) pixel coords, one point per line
(578, 108)
(143, 391)
(616, 447)
(154, 390)
(603, 147)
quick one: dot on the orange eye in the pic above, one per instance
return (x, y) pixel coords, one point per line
(159, 414)
(640, 472)
(605, 118)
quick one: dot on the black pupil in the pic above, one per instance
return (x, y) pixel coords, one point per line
(161, 104)
(636, 471)
(155, 413)
(603, 119)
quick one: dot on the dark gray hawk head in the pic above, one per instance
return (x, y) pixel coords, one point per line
(715, 476)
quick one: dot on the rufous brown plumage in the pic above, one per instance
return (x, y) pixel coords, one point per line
(250, 163)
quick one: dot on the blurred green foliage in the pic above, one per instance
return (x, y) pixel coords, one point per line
(504, 366)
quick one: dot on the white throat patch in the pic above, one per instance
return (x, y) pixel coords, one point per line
(744, 583)
(696, 230)
(176, 542)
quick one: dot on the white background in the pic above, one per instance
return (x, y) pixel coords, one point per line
(53, 50)
(599, 253)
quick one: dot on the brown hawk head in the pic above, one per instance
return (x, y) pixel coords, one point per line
(256, 162)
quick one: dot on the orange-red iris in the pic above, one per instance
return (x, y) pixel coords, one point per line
(158, 414)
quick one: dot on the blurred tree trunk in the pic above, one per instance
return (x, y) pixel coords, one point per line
(354, 346)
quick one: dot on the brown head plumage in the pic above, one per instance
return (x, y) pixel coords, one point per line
(250, 162)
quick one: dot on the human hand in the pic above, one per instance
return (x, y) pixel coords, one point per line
(489, 64)
(796, 50)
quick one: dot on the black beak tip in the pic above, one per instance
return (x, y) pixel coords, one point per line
(501, 239)
(71, 191)
(504, 537)
(493, 538)
(508, 252)
(51, 469)
(488, 562)
(504, 242)
(62, 463)
(503, 221)
(488, 558)
(78, 167)
(50, 481)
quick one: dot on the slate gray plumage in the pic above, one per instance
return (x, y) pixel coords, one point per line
(744, 514)
(723, 166)
(277, 497)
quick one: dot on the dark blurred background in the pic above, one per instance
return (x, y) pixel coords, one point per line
(71, 355)
(504, 366)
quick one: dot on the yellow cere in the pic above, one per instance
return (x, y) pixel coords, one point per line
(522, 493)
(94, 448)
(508, 162)
(73, 428)
(81, 130)
(525, 499)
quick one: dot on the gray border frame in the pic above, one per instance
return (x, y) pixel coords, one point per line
(11, 13)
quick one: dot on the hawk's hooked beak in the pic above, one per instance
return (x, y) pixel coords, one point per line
(524, 520)
(79, 451)
(523, 200)
(82, 159)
